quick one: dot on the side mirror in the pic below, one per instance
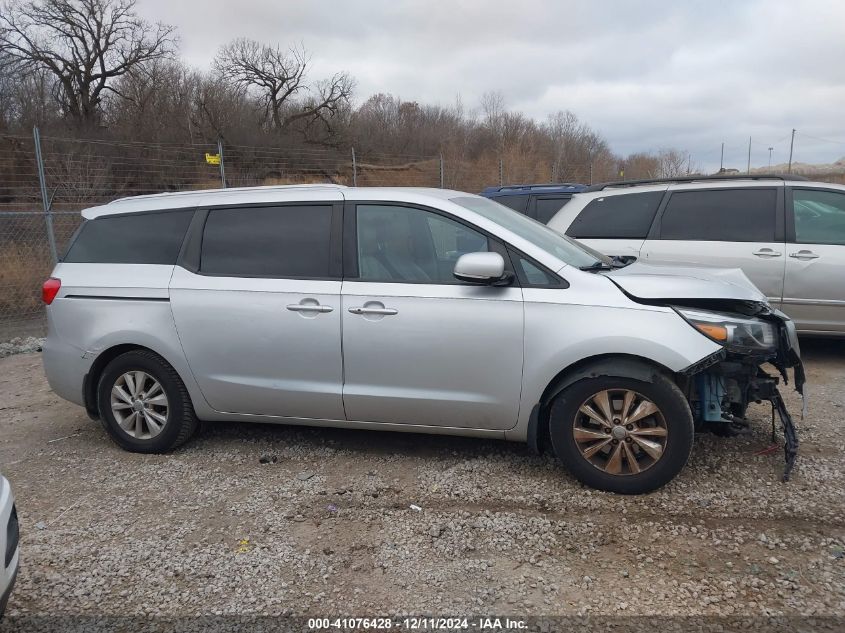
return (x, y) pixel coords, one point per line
(480, 268)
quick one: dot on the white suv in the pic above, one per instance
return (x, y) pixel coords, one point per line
(785, 233)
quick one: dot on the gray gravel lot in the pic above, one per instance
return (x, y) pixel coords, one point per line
(325, 525)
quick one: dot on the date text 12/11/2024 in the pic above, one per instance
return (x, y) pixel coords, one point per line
(418, 624)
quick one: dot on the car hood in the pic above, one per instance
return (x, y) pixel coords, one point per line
(646, 281)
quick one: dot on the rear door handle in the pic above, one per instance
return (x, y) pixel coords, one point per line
(804, 254)
(382, 311)
(766, 252)
(309, 307)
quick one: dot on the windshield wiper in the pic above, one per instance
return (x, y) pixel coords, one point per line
(615, 262)
(599, 265)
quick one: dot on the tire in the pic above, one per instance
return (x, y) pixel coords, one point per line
(139, 436)
(673, 416)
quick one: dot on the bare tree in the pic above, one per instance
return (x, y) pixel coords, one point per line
(665, 163)
(7, 82)
(576, 148)
(84, 44)
(672, 163)
(640, 165)
(278, 78)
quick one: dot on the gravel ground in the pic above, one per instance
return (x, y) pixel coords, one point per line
(264, 519)
(21, 345)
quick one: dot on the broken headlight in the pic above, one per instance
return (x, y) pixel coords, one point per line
(733, 330)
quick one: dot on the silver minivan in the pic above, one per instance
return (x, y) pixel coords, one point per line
(786, 233)
(422, 310)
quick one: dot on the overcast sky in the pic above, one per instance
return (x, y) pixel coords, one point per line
(646, 75)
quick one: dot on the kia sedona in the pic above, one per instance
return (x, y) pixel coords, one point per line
(421, 310)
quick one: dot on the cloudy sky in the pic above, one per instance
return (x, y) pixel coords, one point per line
(685, 74)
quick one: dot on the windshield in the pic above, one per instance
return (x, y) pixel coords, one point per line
(564, 248)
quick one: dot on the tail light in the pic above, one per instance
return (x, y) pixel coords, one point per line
(50, 289)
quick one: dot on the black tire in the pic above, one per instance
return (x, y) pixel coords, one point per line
(675, 411)
(181, 421)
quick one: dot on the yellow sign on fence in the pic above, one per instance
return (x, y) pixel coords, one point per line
(212, 159)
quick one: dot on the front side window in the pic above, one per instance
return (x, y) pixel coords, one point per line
(284, 241)
(721, 215)
(623, 216)
(403, 244)
(137, 238)
(819, 216)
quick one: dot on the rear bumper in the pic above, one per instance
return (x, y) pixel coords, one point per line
(65, 367)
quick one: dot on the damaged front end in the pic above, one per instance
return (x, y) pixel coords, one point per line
(720, 387)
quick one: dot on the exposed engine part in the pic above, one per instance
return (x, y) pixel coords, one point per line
(719, 393)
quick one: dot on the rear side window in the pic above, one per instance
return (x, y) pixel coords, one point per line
(285, 241)
(735, 215)
(517, 203)
(626, 216)
(139, 238)
(547, 208)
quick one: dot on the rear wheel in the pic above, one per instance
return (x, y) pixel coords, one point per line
(144, 404)
(621, 434)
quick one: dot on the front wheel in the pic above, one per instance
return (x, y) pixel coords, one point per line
(144, 404)
(621, 434)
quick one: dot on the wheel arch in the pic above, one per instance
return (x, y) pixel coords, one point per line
(616, 365)
(92, 378)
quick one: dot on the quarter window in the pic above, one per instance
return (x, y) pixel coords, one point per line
(547, 208)
(735, 215)
(403, 244)
(283, 241)
(517, 203)
(819, 216)
(533, 274)
(138, 238)
(624, 216)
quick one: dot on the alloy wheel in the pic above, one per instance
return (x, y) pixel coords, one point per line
(139, 405)
(620, 432)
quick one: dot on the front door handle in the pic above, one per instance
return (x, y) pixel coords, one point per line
(804, 254)
(309, 307)
(381, 311)
(766, 252)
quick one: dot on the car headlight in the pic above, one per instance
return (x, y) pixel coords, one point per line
(732, 330)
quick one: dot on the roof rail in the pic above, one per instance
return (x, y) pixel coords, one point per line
(548, 185)
(684, 179)
(228, 190)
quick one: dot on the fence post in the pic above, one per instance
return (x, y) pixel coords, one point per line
(354, 169)
(442, 174)
(591, 172)
(501, 172)
(222, 168)
(48, 213)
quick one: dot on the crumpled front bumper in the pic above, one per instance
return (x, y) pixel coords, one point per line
(765, 387)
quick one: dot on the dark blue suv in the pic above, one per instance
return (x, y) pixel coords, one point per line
(540, 202)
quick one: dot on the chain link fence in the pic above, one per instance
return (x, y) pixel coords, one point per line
(46, 181)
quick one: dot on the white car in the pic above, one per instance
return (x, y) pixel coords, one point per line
(786, 234)
(8, 542)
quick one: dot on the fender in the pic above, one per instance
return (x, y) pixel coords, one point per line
(613, 366)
